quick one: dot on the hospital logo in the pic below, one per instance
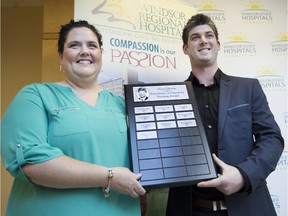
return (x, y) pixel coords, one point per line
(210, 8)
(280, 46)
(147, 16)
(239, 46)
(117, 12)
(283, 161)
(285, 115)
(255, 13)
(271, 82)
(276, 202)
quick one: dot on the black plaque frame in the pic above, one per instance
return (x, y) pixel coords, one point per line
(177, 155)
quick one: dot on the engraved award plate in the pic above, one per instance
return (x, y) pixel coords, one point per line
(167, 139)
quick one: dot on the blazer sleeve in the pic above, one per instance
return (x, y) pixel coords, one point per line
(268, 142)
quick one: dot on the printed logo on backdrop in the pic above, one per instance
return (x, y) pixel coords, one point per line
(144, 16)
(143, 33)
(255, 13)
(239, 46)
(271, 81)
(210, 8)
(280, 46)
(276, 202)
(283, 161)
(116, 11)
(285, 115)
(140, 37)
(281, 166)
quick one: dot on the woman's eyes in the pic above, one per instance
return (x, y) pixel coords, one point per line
(75, 45)
(72, 45)
(92, 45)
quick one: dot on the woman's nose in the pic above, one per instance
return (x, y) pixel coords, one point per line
(84, 50)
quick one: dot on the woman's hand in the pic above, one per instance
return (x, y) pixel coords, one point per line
(65, 172)
(126, 182)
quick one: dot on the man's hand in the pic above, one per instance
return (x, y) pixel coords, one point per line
(229, 182)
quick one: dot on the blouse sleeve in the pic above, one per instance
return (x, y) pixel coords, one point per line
(24, 133)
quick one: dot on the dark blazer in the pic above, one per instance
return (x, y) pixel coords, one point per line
(249, 138)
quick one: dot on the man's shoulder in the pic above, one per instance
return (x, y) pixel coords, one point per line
(237, 78)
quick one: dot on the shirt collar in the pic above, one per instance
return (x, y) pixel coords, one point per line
(217, 78)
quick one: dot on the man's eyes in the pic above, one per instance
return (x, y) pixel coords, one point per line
(210, 35)
(196, 37)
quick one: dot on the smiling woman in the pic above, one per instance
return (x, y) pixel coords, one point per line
(59, 136)
(81, 58)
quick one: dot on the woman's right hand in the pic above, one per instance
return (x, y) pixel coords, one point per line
(126, 182)
(79, 174)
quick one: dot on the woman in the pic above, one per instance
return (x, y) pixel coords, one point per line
(66, 142)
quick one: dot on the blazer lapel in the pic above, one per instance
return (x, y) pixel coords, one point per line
(224, 98)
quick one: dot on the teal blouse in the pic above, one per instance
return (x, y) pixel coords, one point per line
(45, 121)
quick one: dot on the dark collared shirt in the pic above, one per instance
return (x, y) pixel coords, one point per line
(207, 98)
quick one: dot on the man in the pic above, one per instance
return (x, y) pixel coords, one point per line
(242, 134)
(142, 94)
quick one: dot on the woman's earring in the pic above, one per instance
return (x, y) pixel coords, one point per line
(60, 67)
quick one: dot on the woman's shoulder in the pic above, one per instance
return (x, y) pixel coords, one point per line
(114, 96)
(37, 86)
(42, 87)
(114, 99)
(43, 92)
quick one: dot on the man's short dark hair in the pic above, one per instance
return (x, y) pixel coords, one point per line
(196, 20)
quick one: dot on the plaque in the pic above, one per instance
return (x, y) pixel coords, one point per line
(167, 140)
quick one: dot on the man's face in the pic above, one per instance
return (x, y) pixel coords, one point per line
(202, 46)
(142, 93)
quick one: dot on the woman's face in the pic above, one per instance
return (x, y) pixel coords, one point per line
(82, 57)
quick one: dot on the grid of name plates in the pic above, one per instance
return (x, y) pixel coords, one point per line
(169, 143)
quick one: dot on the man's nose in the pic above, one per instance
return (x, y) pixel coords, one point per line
(203, 39)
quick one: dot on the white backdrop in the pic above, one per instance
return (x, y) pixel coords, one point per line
(142, 43)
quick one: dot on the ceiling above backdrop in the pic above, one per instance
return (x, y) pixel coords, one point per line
(22, 3)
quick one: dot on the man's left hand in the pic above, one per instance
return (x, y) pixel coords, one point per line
(229, 182)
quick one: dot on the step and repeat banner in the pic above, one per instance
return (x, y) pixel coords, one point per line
(142, 44)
